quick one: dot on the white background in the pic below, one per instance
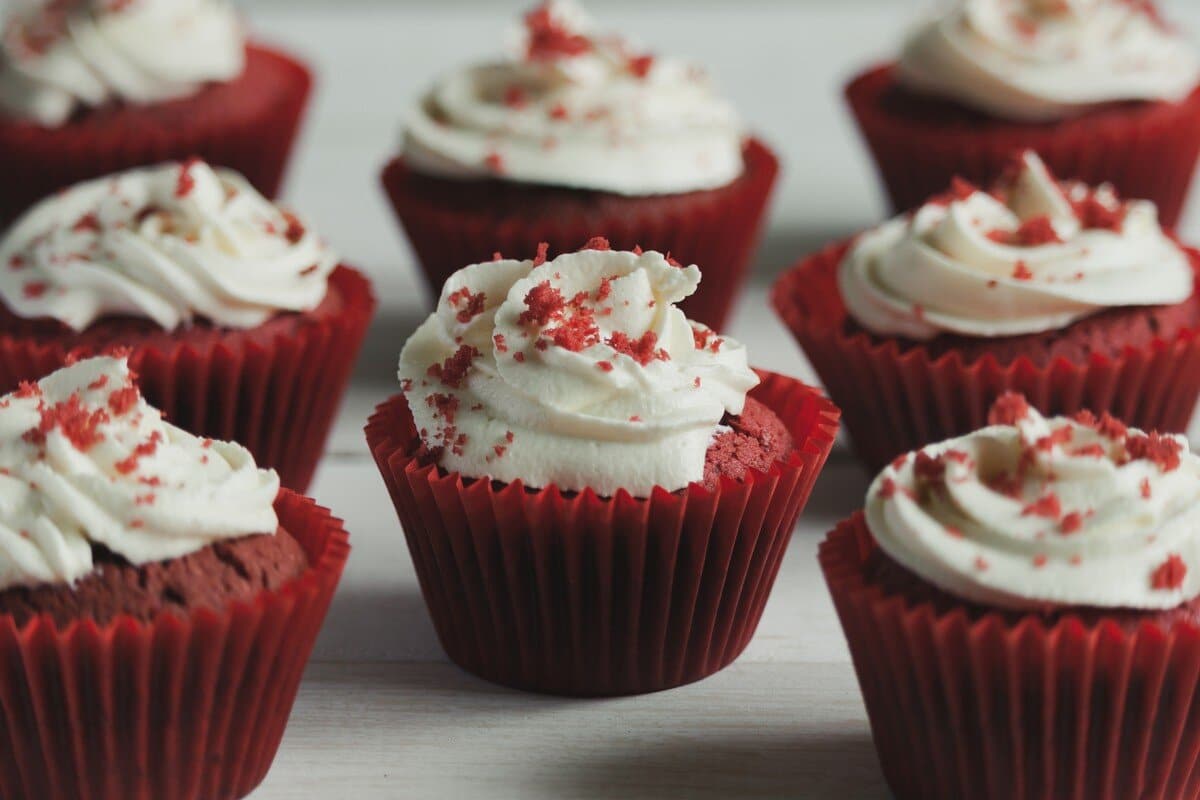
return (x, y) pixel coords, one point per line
(381, 713)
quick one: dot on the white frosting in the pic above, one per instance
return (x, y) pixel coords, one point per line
(598, 116)
(976, 265)
(58, 56)
(1082, 519)
(84, 461)
(1043, 60)
(170, 243)
(558, 398)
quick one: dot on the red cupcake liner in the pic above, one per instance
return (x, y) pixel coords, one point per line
(451, 224)
(248, 125)
(895, 401)
(274, 389)
(1015, 707)
(182, 707)
(580, 595)
(1147, 151)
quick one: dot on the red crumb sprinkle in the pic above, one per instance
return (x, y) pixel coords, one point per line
(501, 344)
(1075, 561)
(887, 489)
(597, 243)
(186, 181)
(1095, 215)
(954, 532)
(643, 350)
(1047, 505)
(929, 468)
(497, 256)
(519, 358)
(899, 461)
(88, 222)
(27, 389)
(516, 97)
(445, 406)
(540, 258)
(604, 366)
(992, 284)
(16, 262)
(1009, 409)
(1095, 450)
(453, 371)
(605, 290)
(981, 564)
(1145, 487)
(137, 523)
(99, 383)
(34, 289)
(1021, 272)
(144, 499)
(673, 261)
(1058, 436)
(146, 448)
(577, 333)
(1037, 231)
(1156, 447)
(558, 111)
(469, 305)
(500, 450)
(123, 399)
(1169, 574)
(76, 422)
(294, 231)
(542, 303)
(1039, 561)
(640, 66)
(1071, 523)
(508, 437)
(494, 162)
(697, 382)
(549, 40)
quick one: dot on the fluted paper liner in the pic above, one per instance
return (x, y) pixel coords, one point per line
(453, 223)
(895, 402)
(577, 594)
(253, 136)
(186, 707)
(1012, 706)
(276, 394)
(1147, 150)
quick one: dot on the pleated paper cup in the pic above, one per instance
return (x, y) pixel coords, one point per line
(896, 400)
(454, 223)
(274, 389)
(185, 707)
(1148, 151)
(575, 594)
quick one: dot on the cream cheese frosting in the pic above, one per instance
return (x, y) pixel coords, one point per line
(171, 243)
(581, 110)
(1046, 60)
(1036, 513)
(579, 372)
(84, 461)
(1033, 255)
(60, 56)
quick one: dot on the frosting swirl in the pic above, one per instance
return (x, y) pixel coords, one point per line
(59, 56)
(1044, 60)
(1032, 256)
(578, 372)
(1034, 513)
(170, 243)
(84, 461)
(581, 111)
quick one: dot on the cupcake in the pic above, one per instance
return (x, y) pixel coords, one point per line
(1064, 292)
(1104, 90)
(596, 491)
(91, 87)
(235, 314)
(159, 597)
(1022, 605)
(577, 133)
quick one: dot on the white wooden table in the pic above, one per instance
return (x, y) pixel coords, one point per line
(381, 713)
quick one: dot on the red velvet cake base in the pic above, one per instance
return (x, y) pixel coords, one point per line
(577, 594)
(1141, 365)
(1147, 150)
(248, 125)
(454, 223)
(183, 707)
(274, 389)
(965, 703)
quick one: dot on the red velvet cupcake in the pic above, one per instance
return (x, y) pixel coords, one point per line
(1065, 293)
(237, 317)
(92, 87)
(1022, 608)
(1103, 90)
(596, 492)
(582, 134)
(159, 598)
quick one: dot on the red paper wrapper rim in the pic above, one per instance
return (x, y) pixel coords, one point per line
(811, 328)
(846, 548)
(325, 566)
(386, 428)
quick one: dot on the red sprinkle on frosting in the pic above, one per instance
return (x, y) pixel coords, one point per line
(1161, 449)
(1009, 409)
(1170, 574)
(469, 305)
(1047, 505)
(453, 371)
(643, 350)
(543, 303)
